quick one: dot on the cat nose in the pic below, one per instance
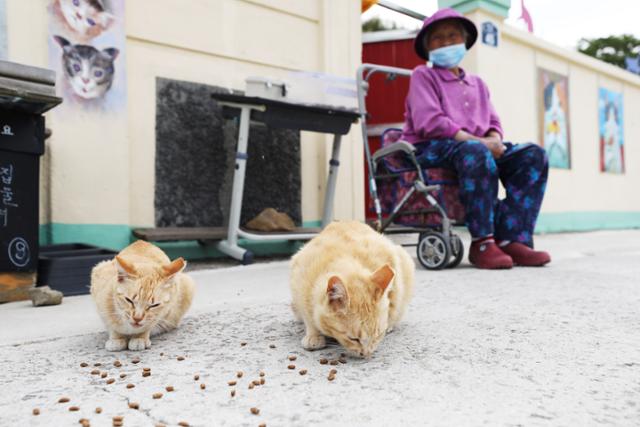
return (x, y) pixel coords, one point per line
(85, 80)
(78, 15)
(137, 319)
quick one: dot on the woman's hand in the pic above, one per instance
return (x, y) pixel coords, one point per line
(494, 143)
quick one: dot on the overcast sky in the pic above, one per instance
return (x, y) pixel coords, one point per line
(562, 22)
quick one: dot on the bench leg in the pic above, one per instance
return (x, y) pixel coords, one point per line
(230, 245)
(334, 163)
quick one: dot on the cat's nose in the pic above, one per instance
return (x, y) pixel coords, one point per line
(137, 319)
(85, 80)
(78, 15)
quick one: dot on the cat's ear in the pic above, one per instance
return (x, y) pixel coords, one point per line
(337, 294)
(174, 267)
(106, 19)
(112, 52)
(64, 43)
(381, 279)
(125, 269)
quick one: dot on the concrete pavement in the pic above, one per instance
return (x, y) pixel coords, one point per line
(539, 346)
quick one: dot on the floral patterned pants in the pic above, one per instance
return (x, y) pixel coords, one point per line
(522, 169)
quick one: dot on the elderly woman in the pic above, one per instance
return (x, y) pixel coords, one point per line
(450, 119)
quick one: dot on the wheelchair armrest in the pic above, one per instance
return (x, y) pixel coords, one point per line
(398, 146)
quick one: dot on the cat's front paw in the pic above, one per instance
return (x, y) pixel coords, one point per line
(137, 344)
(313, 342)
(115, 345)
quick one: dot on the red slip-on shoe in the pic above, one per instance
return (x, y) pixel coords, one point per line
(487, 255)
(525, 256)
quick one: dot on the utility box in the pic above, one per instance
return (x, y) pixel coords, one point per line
(25, 93)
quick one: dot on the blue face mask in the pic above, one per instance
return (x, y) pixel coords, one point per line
(448, 56)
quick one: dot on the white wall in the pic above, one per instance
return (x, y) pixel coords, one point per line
(98, 171)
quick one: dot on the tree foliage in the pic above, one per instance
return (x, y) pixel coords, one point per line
(377, 24)
(612, 49)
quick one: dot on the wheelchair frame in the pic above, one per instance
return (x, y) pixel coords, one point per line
(436, 249)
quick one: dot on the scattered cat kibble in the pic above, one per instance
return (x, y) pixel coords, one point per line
(111, 381)
(146, 374)
(256, 382)
(303, 371)
(342, 360)
(334, 362)
(118, 418)
(117, 364)
(262, 381)
(130, 385)
(157, 395)
(251, 386)
(103, 375)
(135, 360)
(84, 364)
(333, 372)
(36, 411)
(255, 411)
(262, 425)
(183, 424)
(232, 382)
(261, 373)
(233, 393)
(63, 400)
(98, 410)
(202, 386)
(239, 374)
(291, 366)
(83, 421)
(196, 377)
(331, 377)
(180, 358)
(95, 372)
(97, 364)
(169, 388)
(292, 357)
(272, 346)
(122, 375)
(146, 369)
(74, 408)
(323, 361)
(134, 405)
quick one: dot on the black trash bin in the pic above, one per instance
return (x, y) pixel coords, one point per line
(25, 93)
(21, 145)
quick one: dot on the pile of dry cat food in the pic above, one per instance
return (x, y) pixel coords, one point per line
(118, 420)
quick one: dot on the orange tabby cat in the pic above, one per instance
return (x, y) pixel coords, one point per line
(352, 284)
(139, 293)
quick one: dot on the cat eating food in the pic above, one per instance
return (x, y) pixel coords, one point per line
(352, 284)
(140, 293)
(89, 71)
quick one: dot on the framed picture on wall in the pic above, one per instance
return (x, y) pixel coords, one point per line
(554, 118)
(611, 129)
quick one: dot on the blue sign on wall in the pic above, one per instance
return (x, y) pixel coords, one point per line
(632, 64)
(489, 34)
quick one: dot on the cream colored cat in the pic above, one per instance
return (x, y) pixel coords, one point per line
(140, 293)
(352, 284)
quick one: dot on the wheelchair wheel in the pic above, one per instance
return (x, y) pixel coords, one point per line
(457, 251)
(433, 252)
